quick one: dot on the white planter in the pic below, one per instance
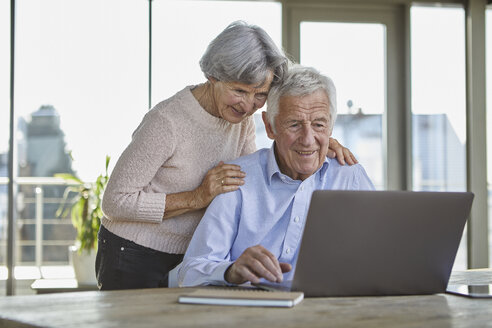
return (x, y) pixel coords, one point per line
(84, 265)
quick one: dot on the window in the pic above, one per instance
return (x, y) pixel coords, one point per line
(93, 74)
(81, 89)
(439, 103)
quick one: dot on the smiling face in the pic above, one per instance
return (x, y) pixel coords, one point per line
(235, 101)
(303, 130)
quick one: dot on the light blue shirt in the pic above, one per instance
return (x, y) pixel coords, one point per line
(270, 209)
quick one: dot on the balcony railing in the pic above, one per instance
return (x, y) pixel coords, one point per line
(41, 237)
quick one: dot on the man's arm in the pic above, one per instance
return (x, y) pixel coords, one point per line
(208, 255)
(208, 258)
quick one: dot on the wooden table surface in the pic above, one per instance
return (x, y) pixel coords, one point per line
(159, 308)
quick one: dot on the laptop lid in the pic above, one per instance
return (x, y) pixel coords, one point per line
(358, 243)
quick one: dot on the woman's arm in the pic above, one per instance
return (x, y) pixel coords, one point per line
(220, 179)
(151, 146)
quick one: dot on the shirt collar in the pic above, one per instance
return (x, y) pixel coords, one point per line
(272, 166)
(324, 168)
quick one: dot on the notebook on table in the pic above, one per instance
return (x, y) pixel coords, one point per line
(241, 297)
(365, 243)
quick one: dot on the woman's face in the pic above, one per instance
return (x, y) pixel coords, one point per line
(236, 101)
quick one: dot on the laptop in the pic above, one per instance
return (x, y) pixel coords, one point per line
(367, 243)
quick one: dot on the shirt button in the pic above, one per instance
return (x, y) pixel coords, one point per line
(296, 219)
(287, 250)
(302, 188)
(122, 248)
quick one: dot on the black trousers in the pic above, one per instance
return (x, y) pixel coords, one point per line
(123, 264)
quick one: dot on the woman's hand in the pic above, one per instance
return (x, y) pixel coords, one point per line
(341, 153)
(220, 179)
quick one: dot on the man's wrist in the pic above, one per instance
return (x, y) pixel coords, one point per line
(218, 274)
(227, 274)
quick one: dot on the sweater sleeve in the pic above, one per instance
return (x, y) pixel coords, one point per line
(250, 143)
(126, 196)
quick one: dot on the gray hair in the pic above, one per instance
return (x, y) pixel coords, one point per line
(243, 53)
(301, 81)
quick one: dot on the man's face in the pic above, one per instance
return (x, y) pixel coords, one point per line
(302, 133)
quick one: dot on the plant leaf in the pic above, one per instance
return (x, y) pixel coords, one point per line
(68, 177)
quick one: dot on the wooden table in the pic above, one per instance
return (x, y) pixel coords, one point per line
(159, 308)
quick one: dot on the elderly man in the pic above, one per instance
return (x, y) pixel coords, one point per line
(255, 232)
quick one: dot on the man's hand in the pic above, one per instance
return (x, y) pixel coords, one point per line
(341, 153)
(256, 262)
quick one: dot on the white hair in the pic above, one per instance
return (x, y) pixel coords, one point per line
(300, 81)
(243, 53)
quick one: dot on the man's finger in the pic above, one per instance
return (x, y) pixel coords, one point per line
(285, 267)
(267, 255)
(263, 263)
(260, 271)
(248, 275)
(269, 263)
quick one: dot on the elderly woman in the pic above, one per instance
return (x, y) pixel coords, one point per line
(173, 167)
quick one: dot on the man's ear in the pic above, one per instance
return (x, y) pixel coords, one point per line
(268, 126)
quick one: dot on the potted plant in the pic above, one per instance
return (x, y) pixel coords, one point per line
(82, 201)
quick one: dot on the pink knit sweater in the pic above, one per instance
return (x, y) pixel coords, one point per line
(172, 149)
